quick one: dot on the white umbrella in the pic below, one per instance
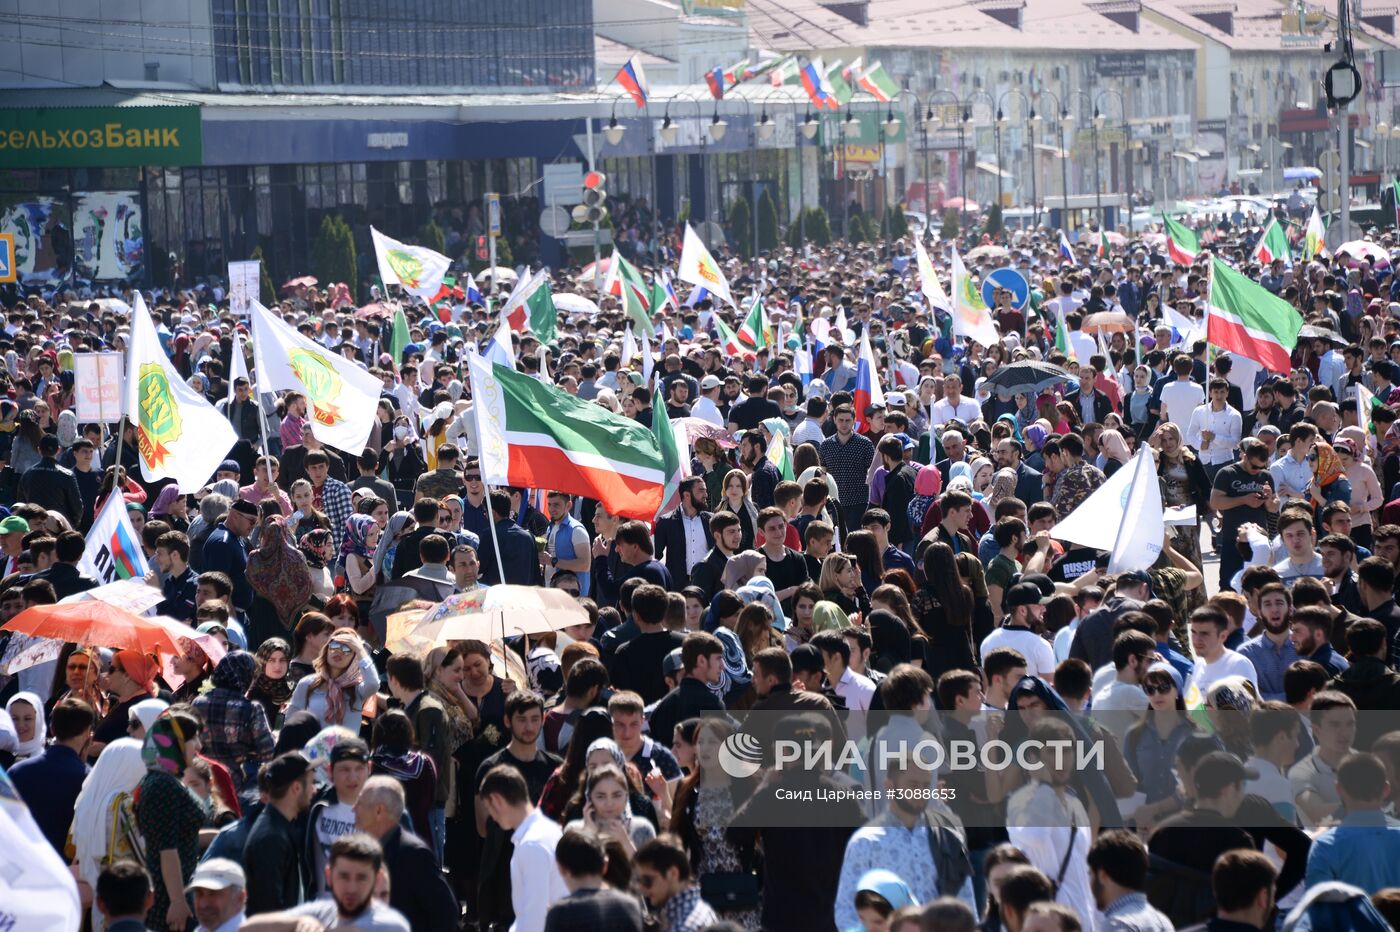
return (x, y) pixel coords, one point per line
(502, 611)
(500, 273)
(1361, 249)
(572, 303)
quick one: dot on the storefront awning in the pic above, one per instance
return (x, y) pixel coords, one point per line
(991, 169)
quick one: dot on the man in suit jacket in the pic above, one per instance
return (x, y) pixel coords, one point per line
(417, 887)
(725, 534)
(684, 534)
(519, 554)
(1102, 404)
(1030, 485)
(590, 905)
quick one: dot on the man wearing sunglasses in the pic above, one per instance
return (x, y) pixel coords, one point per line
(1242, 493)
(474, 504)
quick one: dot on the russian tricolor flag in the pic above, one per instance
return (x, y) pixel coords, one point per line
(671, 298)
(868, 391)
(634, 80)
(472, 292)
(1066, 252)
(715, 78)
(814, 83)
(696, 295)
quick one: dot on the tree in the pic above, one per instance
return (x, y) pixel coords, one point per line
(950, 225)
(993, 226)
(431, 236)
(858, 229)
(333, 254)
(767, 222)
(818, 226)
(266, 292)
(899, 224)
(741, 226)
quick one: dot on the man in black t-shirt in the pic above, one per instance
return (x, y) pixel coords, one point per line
(1243, 493)
(524, 717)
(756, 408)
(786, 568)
(636, 665)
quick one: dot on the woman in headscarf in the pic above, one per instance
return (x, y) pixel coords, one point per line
(400, 525)
(1003, 486)
(278, 575)
(927, 484)
(272, 687)
(1114, 453)
(345, 678)
(362, 536)
(828, 616)
(169, 816)
(1330, 483)
(104, 825)
(318, 547)
(891, 641)
(26, 711)
(760, 589)
(193, 666)
(172, 508)
(879, 895)
(237, 727)
(742, 567)
(1366, 494)
(67, 428)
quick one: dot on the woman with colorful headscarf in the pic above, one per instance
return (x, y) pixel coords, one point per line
(1330, 483)
(357, 551)
(172, 508)
(239, 735)
(318, 547)
(400, 525)
(272, 687)
(169, 815)
(1366, 494)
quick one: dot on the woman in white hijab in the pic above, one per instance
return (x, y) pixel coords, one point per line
(105, 797)
(27, 712)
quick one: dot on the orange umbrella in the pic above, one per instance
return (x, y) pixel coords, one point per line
(97, 623)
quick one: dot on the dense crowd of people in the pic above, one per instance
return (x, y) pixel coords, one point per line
(897, 561)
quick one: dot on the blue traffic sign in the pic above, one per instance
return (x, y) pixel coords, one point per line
(1013, 281)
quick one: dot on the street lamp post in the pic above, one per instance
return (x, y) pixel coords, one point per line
(928, 122)
(1098, 125)
(753, 170)
(668, 132)
(1064, 120)
(932, 121)
(849, 125)
(1027, 114)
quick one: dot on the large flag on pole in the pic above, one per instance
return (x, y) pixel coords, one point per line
(753, 331)
(634, 80)
(1067, 251)
(700, 268)
(971, 316)
(1122, 516)
(398, 335)
(868, 391)
(342, 396)
(1182, 244)
(179, 434)
(237, 365)
(929, 284)
(1273, 244)
(532, 305)
(113, 549)
(1314, 236)
(674, 465)
(626, 284)
(1246, 318)
(537, 436)
(417, 269)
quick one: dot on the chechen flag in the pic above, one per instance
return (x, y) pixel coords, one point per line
(1182, 244)
(868, 391)
(1273, 244)
(1246, 318)
(634, 80)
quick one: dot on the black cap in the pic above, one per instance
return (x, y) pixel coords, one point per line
(285, 769)
(350, 749)
(244, 507)
(1217, 770)
(1025, 593)
(1044, 583)
(672, 663)
(807, 659)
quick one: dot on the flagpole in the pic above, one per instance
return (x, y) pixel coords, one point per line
(495, 542)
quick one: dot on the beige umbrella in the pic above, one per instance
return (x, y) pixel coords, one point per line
(489, 614)
(1109, 322)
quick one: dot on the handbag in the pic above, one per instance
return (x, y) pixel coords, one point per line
(123, 840)
(730, 891)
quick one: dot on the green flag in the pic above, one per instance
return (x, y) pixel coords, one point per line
(543, 317)
(753, 332)
(878, 84)
(672, 465)
(840, 90)
(398, 337)
(1182, 244)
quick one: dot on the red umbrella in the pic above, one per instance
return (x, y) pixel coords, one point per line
(699, 427)
(306, 281)
(97, 623)
(957, 203)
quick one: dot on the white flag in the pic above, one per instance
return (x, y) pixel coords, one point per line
(179, 434)
(1123, 516)
(629, 347)
(113, 546)
(500, 350)
(343, 397)
(700, 268)
(971, 318)
(417, 269)
(237, 365)
(928, 279)
(648, 361)
(37, 890)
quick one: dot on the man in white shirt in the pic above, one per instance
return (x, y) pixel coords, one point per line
(1214, 661)
(1295, 531)
(1214, 428)
(810, 430)
(1025, 607)
(1292, 472)
(857, 690)
(1133, 653)
(1182, 396)
(953, 404)
(704, 406)
(535, 881)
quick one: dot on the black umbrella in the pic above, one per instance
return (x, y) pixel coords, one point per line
(1027, 377)
(1314, 332)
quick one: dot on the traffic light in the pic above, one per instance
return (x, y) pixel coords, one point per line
(594, 196)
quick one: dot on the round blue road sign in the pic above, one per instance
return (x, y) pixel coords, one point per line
(1013, 281)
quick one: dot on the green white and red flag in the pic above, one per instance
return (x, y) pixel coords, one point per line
(1273, 244)
(1102, 251)
(753, 332)
(534, 435)
(1182, 244)
(878, 84)
(674, 464)
(1246, 318)
(729, 342)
